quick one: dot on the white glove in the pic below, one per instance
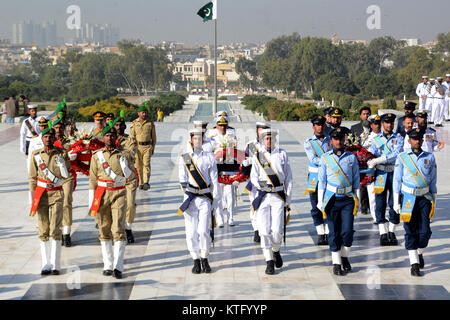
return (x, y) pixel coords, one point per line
(235, 183)
(72, 155)
(215, 203)
(247, 162)
(373, 162)
(358, 194)
(124, 164)
(91, 198)
(62, 166)
(320, 194)
(434, 198)
(397, 205)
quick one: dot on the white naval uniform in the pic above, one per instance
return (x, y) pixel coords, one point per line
(429, 103)
(197, 216)
(252, 194)
(371, 186)
(25, 133)
(206, 146)
(421, 90)
(438, 104)
(270, 214)
(447, 101)
(227, 190)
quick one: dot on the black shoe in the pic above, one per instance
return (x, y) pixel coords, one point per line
(278, 260)
(196, 268)
(421, 261)
(55, 272)
(67, 240)
(337, 270)
(326, 238)
(415, 270)
(130, 237)
(270, 267)
(364, 212)
(117, 274)
(430, 122)
(107, 272)
(46, 272)
(96, 226)
(205, 266)
(322, 240)
(384, 241)
(141, 187)
(392, 239)
(256, 237)
(145, 186)
(346, 264)
(63, 241)
(375, 223)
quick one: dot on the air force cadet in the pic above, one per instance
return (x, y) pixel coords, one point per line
(338, 193)
(386, 147)
(272, 176)
(198, 179)
(315, 147)
(251, 149)
(430, 139)
(421, 92)
(415, 180)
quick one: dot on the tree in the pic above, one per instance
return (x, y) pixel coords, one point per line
(247, 72)
(39, 61)
(332, 82)
(383, 48)
(443, 43)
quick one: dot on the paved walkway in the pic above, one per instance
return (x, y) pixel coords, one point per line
(158, 265)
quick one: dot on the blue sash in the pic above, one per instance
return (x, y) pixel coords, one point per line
(313, 177)
(381, 176)
(409, 199)
(252, 151)
(343, 180)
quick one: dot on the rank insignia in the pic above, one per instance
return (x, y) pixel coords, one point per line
(105, 165)
(313, 182)
(408, 205)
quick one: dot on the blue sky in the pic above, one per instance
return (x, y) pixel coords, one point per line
(254, 21)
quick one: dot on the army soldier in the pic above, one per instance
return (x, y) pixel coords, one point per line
(409, 109)
(315, 147)
(63, 142)
(109, 173)
(272, 176)
(338, 194)
(48, 171)
(68, 120)
(415, 178)
(29, 130)
(431, 143)
(128, 143)
(251, 149)
(386, 147)
(199, 181)
(144, 132)
(219, 136)
(109, 116)
(99, 121)
(421, 92)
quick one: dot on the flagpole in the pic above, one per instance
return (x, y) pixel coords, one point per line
(215, 68)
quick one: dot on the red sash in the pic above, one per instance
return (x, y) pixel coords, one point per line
(38, 194)
(99, 195)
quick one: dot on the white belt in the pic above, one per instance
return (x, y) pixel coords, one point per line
(197, 191)
(386, 168)
(415, 191)
(338, 190)
(271, 189)
(313, 169)
(438, 98)
(227, 173)
(49, 185)
(110, 184)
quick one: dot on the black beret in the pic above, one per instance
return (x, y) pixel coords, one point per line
(409, 105)
(318, 119)
(416, 133)
(388, 117)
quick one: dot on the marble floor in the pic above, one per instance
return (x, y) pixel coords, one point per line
(158, 265)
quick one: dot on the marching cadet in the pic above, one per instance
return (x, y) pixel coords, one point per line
(375, 130)
(421, 92)
(409, 108)
(49, 169)
(315, 147)
(109, 173)
(338, 194)
(272, 176)
(144, 132)
(99, 121)
(128, 143)
(62, 142)
(207, 143)
(415, 178)
(199, 181)
(219, 136)
(251, 149)
(386, 147)
(68, 120)
(29, 130)
(447, 97)
(430, 143)
(438, 91)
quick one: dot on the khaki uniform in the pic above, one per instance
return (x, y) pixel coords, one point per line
(71, 126)
(68, 186)
(111, 215)
(129, 143)
(50, 200)
(145, 134)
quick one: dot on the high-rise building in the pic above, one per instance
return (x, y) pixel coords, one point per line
(103, 34)
(27, 32)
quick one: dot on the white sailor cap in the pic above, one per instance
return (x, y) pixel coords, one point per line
(373, 118)
(265, 132)
(264, 125)
(222, 113)
(200, 123)
(32, 106)
(195, 131)
(439, 78)
(222, 120)
(447, 75)
(424, 77)
(432, 79)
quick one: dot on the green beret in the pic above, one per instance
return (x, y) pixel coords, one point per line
(143, 108)
(109, 128)
(49, 129)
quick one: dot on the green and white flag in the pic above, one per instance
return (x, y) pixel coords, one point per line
(208, 11)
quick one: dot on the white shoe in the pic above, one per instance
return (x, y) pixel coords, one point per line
(231, 223)
(220, 225)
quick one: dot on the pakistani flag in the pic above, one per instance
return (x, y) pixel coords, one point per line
(208, 11)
